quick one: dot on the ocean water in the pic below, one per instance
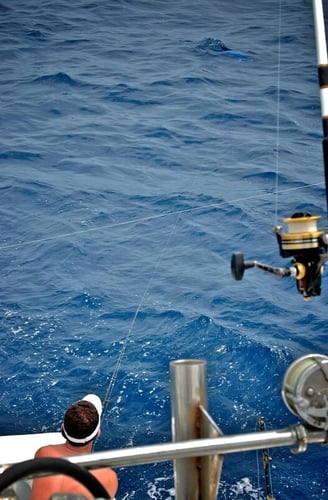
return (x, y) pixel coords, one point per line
(136, 155)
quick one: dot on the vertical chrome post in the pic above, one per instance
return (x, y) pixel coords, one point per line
(195, 477)
(188, 393)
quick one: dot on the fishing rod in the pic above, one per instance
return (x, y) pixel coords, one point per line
(304, 242)
(322, 61)
(266, 461)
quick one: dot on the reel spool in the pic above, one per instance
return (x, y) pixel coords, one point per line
(305, 389)
(302, 237)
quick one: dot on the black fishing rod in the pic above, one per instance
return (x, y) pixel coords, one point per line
(266, 461)
(322, 60)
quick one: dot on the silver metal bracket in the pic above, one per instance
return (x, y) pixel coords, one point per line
(302, 439)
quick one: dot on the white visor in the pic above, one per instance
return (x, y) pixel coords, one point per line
(96, 402)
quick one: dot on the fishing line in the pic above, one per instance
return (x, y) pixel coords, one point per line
(154, 217)
(278, 114)
(130, 330)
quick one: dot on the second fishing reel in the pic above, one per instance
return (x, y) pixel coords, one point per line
(305, 244)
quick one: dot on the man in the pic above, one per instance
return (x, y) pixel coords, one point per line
(81, 426)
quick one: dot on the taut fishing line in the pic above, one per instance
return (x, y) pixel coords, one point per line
(154, 217)
(278, 114)
(130, 330)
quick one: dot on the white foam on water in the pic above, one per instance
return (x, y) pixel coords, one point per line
(244, 486)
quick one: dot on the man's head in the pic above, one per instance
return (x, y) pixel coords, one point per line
(82, 420)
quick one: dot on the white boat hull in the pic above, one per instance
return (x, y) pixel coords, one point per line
(20, 447)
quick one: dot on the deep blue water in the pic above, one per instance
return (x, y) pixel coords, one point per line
(135, 157)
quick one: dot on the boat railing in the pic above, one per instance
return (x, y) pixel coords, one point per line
(198, 445)
(298, 435)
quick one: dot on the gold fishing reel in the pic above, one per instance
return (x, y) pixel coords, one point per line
(305, 244)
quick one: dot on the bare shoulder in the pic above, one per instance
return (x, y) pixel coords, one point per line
(108, 478)
(45, 451)
(49, 451)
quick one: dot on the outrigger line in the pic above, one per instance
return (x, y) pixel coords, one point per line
(304, 242)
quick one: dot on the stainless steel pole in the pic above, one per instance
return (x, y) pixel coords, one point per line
(188, 394)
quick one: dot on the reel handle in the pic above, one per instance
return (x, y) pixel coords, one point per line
(238, 265)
